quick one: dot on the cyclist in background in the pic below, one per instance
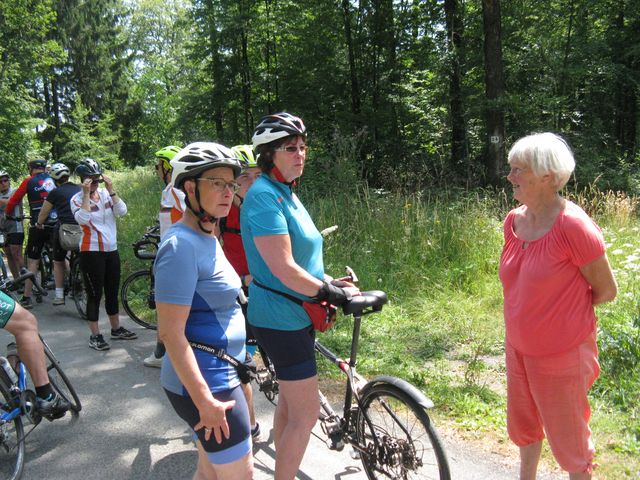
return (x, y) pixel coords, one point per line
(229, 227)
(58, 200)
(12, 229)
(96, 209)
(37, 187)
(24, 327)
(171, 209)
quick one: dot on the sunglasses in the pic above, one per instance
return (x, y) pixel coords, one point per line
(291, 149)
(4, 180)
(219, 184)
(96, 181)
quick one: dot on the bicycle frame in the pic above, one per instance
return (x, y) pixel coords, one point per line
(21, 387)
(338, 428)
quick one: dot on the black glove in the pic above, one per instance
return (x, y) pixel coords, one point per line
(332, 294)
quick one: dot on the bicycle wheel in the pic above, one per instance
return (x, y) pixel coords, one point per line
(11, 441)
(46, 269)
(138, 299)
(59, 380)
(77, 288)
(398, 439)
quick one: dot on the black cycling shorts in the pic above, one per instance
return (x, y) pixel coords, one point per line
(290, 351)
(239, 442)
(37, 239)
(14, 238)
(59, 253)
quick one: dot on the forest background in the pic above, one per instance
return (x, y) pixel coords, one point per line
(410, 106)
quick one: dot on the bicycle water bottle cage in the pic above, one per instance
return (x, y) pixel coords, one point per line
(372, 299)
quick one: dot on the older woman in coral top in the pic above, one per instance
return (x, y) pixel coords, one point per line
(553, 269)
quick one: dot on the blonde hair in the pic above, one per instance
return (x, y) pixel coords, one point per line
(545, 153)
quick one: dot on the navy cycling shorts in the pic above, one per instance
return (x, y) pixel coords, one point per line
(290, 351)
(231, 449)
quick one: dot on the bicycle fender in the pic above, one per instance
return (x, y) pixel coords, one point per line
(400, 384)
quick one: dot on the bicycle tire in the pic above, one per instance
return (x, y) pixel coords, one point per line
(59, 380)
(408, 446)
(77, 288)
(138, 299)
(46, 268)
(11, 442)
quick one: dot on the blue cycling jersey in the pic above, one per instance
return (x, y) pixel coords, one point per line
(191, 269)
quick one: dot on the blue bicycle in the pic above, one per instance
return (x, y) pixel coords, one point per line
(18, 405)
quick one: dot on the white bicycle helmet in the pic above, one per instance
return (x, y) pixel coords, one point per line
(277, 126)
(197, 157)
(4, 173)
(59, 170)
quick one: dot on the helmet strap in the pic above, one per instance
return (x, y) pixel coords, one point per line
(201, 214)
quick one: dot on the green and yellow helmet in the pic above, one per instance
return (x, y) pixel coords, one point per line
(245, 154)
(166, 154)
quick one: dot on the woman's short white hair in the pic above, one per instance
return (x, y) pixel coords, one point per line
(545, 153)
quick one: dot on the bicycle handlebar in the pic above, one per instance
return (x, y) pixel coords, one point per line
(27, 275)
(141, 253)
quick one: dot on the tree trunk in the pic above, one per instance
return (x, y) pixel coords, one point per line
(455, 28)
(246, 75)
(494, 90)
(355, 89)
(626, 100)
(563, 73)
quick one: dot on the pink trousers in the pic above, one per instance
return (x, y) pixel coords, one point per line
(548, 395)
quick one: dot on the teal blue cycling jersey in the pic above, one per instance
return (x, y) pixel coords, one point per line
(271, 208)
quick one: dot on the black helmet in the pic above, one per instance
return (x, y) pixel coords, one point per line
(38, 163)
(277, 126)
(88, 167)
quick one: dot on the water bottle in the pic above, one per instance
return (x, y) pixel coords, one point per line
(8, 374)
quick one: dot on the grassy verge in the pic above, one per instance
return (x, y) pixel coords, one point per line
(437, 258)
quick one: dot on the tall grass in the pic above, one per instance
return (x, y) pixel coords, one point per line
(436, 255)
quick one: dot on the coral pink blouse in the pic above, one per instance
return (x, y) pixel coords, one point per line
(547, 302)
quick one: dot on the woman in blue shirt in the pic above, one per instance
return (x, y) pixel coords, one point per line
(284, 253)
(196, 290)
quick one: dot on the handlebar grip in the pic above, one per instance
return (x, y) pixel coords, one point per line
(140, 252)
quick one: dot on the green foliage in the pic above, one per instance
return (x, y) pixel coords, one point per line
(86, 138)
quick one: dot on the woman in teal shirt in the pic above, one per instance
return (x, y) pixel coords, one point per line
(284, 253)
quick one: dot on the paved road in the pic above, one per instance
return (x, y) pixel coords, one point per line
(127, 430)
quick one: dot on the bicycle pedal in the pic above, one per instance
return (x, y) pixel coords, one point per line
(55, 416)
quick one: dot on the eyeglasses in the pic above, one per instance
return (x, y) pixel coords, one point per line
(219, 184)
(293, 149)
